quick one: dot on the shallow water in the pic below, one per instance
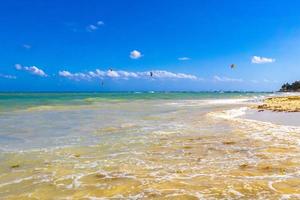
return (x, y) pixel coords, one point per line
(143, 146)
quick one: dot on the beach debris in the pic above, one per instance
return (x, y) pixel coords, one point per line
(100, 176)
(47, 163)
(77, 155)
(272, 169)
(243, 166)
(267, 168)
(15, 166)
(228, 142)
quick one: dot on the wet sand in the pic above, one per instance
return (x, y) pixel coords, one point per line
(280, 118)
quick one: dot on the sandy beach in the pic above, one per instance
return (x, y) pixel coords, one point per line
(193, 147)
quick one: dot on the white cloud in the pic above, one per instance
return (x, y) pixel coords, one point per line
(36, 71)
(7, 76)
(65, 73)
(127, 75)
(91, 28)
(112, 74)
(32, 69)
(18, 66)
(97, 74)
(27, 46)
(135, 54)
(226, 79)
(269, 81)
(261, 60)
(100, 23)
(184, 58)
(161, 74)
(74, 76)
(156, 74)
(94, 27)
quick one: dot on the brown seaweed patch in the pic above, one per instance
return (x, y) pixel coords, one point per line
(281, 104)
(267, 168)
(244, 166)
(100, 176)
(228, 142)
(15, 166)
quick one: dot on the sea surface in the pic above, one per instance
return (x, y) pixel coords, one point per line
(145, 145)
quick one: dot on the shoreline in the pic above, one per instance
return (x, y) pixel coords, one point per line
(282, 110)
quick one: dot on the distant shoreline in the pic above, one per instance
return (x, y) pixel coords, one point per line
(138, 91)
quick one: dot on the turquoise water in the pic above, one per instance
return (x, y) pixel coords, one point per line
(44, 120)
(15, 101)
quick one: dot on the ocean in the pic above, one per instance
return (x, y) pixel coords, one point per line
(144, 145)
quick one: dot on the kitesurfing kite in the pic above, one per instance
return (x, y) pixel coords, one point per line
(232, 66)
(151, 74)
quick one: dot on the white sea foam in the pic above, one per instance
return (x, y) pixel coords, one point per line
(266, 131)
(212, 102)
(227, 101)
(230, 114)
(16, 181)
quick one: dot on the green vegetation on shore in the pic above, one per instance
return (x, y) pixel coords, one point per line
(294, 87)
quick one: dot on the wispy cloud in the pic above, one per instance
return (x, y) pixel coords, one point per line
(18, 67)
(261, 60)
(226, 79)
(269, 81)
(26, 46)
(171, 75)
(91, 28)
(135, 54)
(120, 74)
(31, 69)
(94, 27)
(184, 58)
(74, 76)
(7, 76)
(36, 71)
(100, 23)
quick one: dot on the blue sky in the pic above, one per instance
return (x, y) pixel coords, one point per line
(187, 45)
